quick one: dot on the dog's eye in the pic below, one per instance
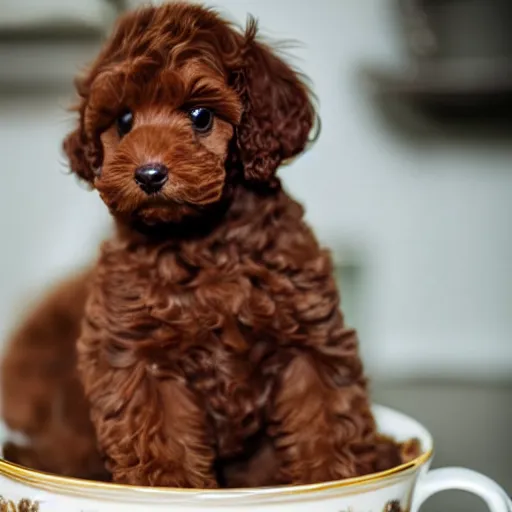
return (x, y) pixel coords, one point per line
(202, 119)
(124, 123)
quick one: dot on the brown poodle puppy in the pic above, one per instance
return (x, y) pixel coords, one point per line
(212, 335)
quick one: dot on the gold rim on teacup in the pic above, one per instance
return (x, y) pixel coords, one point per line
(68, 485)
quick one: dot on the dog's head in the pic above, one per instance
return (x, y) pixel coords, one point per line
(178, 107)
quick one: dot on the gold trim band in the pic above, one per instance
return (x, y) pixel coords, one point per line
(76, 486)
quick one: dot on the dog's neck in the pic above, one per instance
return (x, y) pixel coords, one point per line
(244, 204)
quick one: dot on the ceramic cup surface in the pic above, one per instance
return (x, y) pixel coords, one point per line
(403, 488)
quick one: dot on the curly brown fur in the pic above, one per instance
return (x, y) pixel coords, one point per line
(213, 350)
(42, 396)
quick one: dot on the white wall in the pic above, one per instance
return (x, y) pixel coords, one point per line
(430, 224)
(48, 223)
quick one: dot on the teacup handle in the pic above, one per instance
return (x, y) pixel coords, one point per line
(462, 479)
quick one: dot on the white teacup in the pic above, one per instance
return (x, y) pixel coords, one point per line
(403, 488)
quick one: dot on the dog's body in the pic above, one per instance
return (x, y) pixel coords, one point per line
(212, 336)
(220, 339)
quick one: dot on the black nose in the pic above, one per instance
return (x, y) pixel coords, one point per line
(151, 177)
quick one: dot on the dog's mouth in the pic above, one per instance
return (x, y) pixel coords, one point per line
(158, 201)
(161, 210)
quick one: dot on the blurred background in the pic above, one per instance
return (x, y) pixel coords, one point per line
(410, 184)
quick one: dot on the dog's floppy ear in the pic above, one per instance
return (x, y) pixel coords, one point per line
(80, 151)
(74, 147)
(84, 154)
(278, 111)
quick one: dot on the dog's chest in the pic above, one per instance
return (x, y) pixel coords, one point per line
(198, 292)
(214, 317)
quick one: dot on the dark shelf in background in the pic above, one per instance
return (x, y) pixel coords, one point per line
(57, 33)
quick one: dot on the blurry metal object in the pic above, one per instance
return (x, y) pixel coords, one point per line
(458, 29)
(419, 33)
(460, 58)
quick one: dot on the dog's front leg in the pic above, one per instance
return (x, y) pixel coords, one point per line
(316, 423)
(150, 427)
(320, 416)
